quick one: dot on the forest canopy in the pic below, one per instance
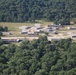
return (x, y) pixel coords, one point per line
(38, 57)
(31, 10)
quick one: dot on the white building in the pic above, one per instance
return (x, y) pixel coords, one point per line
(37, 25)
(73, 35)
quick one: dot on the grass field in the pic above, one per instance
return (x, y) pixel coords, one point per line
(15, 26)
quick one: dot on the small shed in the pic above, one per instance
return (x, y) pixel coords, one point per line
(54, 25)
(37, 25)
(8, 40)
(24, 27)
(31, 33)
(24, 31)
(71, 28)
(73, 35)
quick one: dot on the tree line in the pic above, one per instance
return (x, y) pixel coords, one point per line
(59, 11)
(3, 29)
(38, 57)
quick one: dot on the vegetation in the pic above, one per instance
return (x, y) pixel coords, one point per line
(1, 33)
(3, 28)
(38, 57)
(32, 10)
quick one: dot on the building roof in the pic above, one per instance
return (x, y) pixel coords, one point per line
(38, 25)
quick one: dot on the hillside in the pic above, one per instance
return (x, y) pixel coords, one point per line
(31, 10)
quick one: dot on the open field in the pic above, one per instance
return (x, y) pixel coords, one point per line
(15, 31)
(14, 26)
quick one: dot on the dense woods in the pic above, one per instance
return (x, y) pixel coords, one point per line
(38, 57)
(59, 11)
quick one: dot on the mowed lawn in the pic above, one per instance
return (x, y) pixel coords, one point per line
(14, 26)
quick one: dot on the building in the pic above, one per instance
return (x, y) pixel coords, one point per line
(37, 25)
(73, 35)
(55, 32)
(10, 39)
(24, 31)
(71, 28)
(49, 29)
(24, 27)
(54, 25)
(31, 33)
(7, 33)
